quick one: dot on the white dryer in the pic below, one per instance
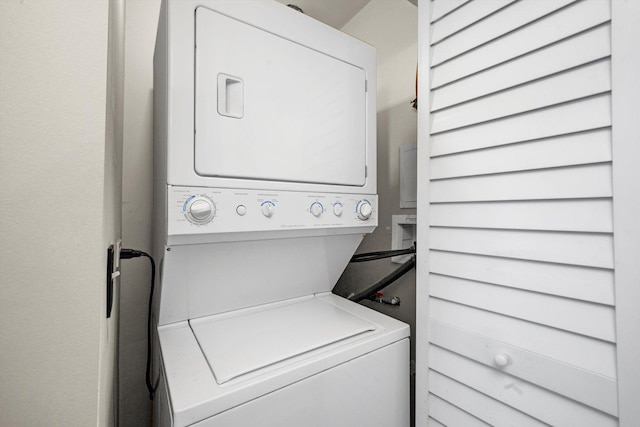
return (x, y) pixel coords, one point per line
(265, 183)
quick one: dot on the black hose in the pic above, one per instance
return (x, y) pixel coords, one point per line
(385, 281)
(372, 256)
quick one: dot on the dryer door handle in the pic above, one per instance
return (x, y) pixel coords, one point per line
(230, 96)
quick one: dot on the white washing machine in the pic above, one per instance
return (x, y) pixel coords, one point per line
(265, 184)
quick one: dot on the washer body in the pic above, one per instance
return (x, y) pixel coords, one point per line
(356, 373)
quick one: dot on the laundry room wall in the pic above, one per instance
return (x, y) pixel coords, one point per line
(392, 28)
(60, 165)
(137, 207)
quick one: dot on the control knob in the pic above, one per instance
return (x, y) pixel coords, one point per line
(200, 210)
(316, 209)
(268, 208)
(364, 210)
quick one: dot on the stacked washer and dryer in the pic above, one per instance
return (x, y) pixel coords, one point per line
(265, 184)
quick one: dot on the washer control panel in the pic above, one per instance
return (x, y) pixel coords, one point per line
(195, 210)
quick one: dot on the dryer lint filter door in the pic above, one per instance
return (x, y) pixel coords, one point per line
(238, 344)
(268, 108)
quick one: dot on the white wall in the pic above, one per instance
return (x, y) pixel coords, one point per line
(112, 212)
(59, 193)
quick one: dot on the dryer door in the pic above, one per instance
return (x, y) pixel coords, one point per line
(268, 108)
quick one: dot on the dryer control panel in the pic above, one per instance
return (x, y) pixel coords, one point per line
(198, 210)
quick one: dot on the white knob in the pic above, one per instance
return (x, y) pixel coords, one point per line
(502, 360)
(200, 210)
(268, 209)
(337, 209)
(316, 209)
(241, 210)
(364, 210)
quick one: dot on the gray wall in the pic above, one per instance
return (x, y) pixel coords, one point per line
(137, 206)
(393, 29)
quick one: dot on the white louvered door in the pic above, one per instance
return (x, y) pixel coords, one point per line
(517, 276)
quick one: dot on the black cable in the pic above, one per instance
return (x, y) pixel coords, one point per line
(372, 256)
(385, 281)
(132, 253)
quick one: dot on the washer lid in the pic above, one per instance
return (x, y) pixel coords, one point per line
(235, 344)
